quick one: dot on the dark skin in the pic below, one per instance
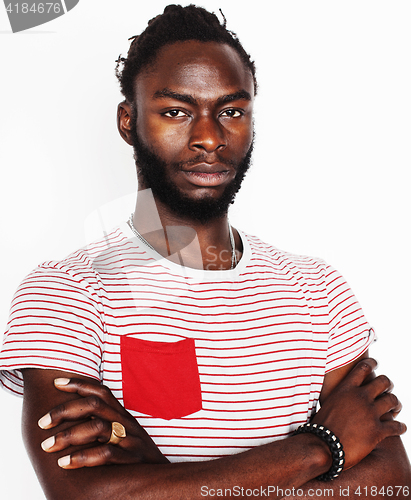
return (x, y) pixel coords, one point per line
(196, 101)
(136, 469)
(183, 110)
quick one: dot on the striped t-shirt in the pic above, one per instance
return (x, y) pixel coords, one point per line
(209, 362)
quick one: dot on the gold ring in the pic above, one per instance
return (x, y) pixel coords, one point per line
(118, 433)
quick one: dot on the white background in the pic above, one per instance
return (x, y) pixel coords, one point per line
(331, 169)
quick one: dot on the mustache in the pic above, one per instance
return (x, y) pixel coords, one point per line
(204, 158)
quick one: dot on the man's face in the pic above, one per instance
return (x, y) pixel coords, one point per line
(192, 128)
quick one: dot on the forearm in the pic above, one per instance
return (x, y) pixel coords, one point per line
(386, 466)
(287, 463)
(274, 467)
(292, 461)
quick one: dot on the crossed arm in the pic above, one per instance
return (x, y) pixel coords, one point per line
(358, 410)
(386, 465)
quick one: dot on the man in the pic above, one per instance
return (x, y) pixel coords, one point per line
(216, 343)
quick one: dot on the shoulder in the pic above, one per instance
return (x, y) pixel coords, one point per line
(309, 267)
(81, 268)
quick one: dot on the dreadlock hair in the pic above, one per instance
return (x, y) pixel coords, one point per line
(176, 24)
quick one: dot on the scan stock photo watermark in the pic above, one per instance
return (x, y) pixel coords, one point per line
(26, 15)
(315, 493)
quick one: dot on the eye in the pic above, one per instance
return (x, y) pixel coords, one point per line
(232, 113)
(174, 113)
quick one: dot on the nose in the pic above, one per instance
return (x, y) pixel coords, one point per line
(207, 134)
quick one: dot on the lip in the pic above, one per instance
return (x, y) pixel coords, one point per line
(207, 174)
(207, 168)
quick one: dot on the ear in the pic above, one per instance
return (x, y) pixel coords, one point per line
(124, 121)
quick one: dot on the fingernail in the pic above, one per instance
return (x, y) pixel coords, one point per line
(45, 421)
(61, 381)
(48, 443)
(64, 461)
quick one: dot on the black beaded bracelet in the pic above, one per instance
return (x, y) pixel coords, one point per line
(335, 445)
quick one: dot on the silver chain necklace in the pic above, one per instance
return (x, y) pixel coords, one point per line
(141, 238)
(233, 253)
(230, 230)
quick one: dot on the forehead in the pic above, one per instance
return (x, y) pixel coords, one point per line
(203, 69)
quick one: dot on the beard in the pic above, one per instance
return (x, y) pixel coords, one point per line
(152, 170)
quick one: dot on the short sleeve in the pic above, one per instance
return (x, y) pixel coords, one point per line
(350, 335)
(55, 323)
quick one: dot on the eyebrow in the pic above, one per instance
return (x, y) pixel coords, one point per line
(235, 96)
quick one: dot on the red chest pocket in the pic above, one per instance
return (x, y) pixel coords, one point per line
(160, 378)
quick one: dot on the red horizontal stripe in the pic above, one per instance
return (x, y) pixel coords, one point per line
(273, 398)
(44, 358)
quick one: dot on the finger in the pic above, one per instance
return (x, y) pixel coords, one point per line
(361, 371)
(379, 386)
(391, 414)
(92, 457)
(79, 409)
(85, 388)
(388, 402)
(396, 411)
(394, 428)
(85, 433)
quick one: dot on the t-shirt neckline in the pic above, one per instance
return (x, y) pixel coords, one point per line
(203, 274)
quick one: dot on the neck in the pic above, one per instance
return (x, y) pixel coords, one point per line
(183, 240)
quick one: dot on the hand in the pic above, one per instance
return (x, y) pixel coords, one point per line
(96, 409)
(360, 412)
